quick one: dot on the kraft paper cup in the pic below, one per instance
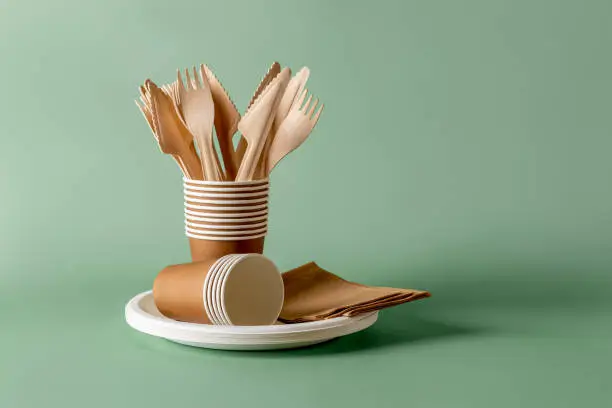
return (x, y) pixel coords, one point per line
(224, 218)
(245, 289)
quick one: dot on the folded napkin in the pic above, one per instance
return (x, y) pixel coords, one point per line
(312, 293)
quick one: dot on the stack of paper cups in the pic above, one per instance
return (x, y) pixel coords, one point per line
(236, 289)
(224, 218)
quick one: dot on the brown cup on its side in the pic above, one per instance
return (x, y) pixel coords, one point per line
(242, 290)
(178, 294)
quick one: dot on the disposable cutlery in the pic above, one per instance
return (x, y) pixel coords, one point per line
(294, 129)
(294, 88)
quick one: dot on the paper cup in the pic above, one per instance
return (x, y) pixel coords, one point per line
(245, 289)
(224, 218)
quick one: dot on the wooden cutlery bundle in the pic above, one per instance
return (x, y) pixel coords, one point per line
(182, 115)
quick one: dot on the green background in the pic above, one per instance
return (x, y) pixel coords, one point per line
(464, 149)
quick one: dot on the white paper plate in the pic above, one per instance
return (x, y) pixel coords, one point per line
(142, 315)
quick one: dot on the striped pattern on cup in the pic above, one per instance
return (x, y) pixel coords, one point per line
(226, 211)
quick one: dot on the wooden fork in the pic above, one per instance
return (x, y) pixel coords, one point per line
(294, 129)
(198, 110)
(290, 96)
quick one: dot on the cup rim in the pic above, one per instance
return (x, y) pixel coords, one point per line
(217, 293)
(222, 262)
(225, 183)
(218, 284)
(261, 193)
(246, 207)
(207, 282)
(247, 201)
(220, 238)
(218, 220)
(223, 216)
(261, 187)
(242, 227)
(213, 232)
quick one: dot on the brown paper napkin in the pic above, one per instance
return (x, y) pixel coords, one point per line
(312, 293)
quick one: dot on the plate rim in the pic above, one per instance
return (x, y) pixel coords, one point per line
(160, 326)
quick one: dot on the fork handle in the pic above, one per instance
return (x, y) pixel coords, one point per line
(210, 162)
(229, 156)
